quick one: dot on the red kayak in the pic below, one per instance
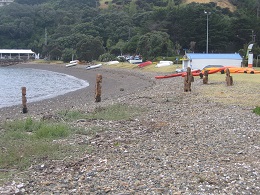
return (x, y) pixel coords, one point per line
(178, 74)
(169, 76)
(144, 64)
(193, 72)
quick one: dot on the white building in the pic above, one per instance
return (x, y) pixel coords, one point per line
(201, 60)
(16, 53)
(5, 2)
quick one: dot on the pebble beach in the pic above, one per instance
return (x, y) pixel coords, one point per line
(183, 144)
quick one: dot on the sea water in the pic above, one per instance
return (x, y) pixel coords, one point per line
(40, 84)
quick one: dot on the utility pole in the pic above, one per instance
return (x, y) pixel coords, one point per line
(207, 47)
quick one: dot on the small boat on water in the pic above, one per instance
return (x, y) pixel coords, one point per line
(93, 66)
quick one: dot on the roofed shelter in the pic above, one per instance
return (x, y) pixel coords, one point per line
(16, 53)
(201, 60)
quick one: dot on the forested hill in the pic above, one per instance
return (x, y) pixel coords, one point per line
(90, 29)
(232, 5)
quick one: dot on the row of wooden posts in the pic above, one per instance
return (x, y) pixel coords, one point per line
(97, 94)
(188, 79)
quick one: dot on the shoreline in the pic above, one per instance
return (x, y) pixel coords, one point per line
(115, 83)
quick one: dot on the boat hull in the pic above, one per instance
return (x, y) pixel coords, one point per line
(93, 66)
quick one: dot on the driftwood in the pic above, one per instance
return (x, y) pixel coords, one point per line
(24, 100)
(187, 80)
(229, 79)
(98, 87)
(206, 77)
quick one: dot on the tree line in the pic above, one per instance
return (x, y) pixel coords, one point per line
(60, 29)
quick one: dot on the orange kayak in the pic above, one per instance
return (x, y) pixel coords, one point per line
(183, 74)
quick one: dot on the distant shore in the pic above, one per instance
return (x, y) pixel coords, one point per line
(115, 83)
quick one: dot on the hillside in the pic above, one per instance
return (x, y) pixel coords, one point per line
(220, 3)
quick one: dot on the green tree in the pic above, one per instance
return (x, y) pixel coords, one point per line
(90, 48)
(154, 44)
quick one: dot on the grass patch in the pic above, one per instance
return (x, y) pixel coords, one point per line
(25, 142)
(114, 112)
(111, 112)
(257, 110)
(28, 142)
(245, 90)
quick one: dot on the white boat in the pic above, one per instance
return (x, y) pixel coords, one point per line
(135, 61)
(112, 62)
(74, 61)
(164, 63)
(93, 66)
(71, 64)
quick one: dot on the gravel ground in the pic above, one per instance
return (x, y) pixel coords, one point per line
(184, 143)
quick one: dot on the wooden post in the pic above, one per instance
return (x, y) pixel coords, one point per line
(24, 100)
(206, 77)
(187, 80)
(98, 87)
(229, 78)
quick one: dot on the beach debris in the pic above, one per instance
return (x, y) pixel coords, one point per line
(24, 100)
(98, 87)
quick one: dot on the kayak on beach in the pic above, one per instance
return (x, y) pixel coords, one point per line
(194, 73)
(145, 64)
(93, 66)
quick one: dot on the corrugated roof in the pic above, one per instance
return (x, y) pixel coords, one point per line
(235, 56)
(24, 51)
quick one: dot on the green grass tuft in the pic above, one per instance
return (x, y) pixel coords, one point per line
(52, 131)
(257, 110)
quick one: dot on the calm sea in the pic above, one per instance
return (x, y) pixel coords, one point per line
(40, 84)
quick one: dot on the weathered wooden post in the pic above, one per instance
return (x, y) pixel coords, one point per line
(229, 78)
(206, 77)
(24, 100)
(98, 87)
(187, 80)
